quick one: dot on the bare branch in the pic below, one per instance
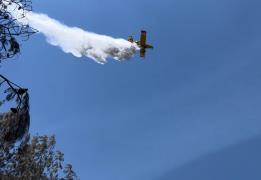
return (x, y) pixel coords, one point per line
(11, 30)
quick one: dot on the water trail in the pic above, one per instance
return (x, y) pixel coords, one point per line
(75, 40)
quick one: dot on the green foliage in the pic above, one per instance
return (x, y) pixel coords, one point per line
(23, 157)
(34, 158)
(12, 91)
(14, 124)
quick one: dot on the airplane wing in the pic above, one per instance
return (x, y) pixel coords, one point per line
(143, 38)
(149, 46)
(142, 53)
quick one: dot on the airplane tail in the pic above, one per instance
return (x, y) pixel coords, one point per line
(149, 46)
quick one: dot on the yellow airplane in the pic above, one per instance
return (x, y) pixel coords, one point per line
(141, 43)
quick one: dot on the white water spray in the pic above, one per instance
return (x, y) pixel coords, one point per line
(75, 40)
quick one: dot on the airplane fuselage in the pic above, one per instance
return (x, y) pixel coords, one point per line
(141, 43)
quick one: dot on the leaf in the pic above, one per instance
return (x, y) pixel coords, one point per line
(10, 96)
(8, 90)
(2, 102)
(22, 91)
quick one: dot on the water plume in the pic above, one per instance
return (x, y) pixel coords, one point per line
(75, 40)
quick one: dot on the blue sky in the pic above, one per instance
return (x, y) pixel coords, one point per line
(188, 111)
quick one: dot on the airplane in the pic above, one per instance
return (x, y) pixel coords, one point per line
(141, 43)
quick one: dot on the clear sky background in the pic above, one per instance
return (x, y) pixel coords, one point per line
(190, 110)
